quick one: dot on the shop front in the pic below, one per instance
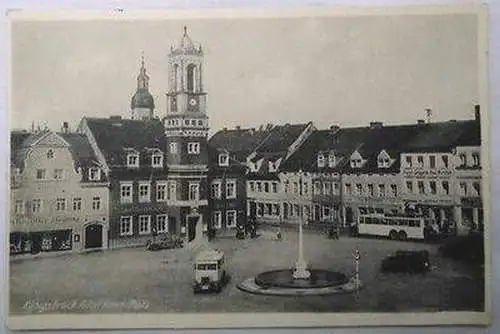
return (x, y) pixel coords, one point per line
(34, 234)
(472, 213)
(441, 213)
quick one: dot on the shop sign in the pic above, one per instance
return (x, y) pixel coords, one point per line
(432, 201)
(45, 221)
(420, 173)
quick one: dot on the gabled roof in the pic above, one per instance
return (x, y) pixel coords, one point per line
(238, 143)
(80, 149)
(112, 135)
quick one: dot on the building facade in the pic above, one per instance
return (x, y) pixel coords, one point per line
(131, 152)
(59, 194)
(272, 196)
(186, 134)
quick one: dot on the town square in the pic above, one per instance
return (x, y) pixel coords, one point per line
(248, 178)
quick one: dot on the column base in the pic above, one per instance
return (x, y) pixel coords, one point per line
(301, 271)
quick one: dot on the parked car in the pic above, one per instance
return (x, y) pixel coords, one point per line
(407, 261)
(164, 242)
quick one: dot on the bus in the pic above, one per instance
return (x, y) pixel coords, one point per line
(393, 227)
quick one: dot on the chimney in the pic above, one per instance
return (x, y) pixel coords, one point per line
(420, 121)
(65, 127)
(238, 127)
(428, 114)
(477, 113)
(374, 125)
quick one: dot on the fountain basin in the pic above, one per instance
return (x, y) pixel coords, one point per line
(283, 278)
(281, 283)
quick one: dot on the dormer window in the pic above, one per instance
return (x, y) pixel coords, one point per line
(331, 160)
(223, 159)
(94, 174)
(356, 163)
(132, 160)
(356, 160)
(321, 160)
(157, 160)
(383, 160)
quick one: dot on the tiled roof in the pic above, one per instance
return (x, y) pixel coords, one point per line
(17, 139)
(440, 137)
(80, 148)
(280, 138)
(471, 134)
(238, 143)
(113, 135)
(342, 141)
(370, 141)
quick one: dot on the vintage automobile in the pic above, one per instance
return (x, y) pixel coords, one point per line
(210, 271)
(164, 242)
(407, 261)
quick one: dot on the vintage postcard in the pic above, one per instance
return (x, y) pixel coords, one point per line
(249, 168)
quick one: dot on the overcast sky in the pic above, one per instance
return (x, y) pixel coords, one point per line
(332, 70)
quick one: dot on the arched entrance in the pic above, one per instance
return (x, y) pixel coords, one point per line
(93, 236)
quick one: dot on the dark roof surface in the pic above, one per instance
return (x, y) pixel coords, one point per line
(280, 138)
(113, 135)
(80, 148)
(443, 136)
(239, 143)
(369, 142)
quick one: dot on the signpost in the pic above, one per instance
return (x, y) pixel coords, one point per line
(356, 257)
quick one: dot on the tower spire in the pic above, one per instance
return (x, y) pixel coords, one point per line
(185, 30)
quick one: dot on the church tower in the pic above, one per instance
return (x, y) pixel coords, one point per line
(142, 105)
(186, 131)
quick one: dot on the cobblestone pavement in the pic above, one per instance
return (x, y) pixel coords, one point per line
(135, 280)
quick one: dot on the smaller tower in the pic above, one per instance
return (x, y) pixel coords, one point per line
(142, 105)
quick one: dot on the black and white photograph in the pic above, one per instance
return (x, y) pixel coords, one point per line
(260, 168)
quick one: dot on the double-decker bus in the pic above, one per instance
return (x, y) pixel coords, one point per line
(392, 226)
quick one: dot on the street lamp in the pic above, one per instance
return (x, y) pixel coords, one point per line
(301, 271)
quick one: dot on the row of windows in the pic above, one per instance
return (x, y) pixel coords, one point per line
(464, 160)
(263, 186)
(186, 122)
(35, 206)
(428, 187)
(231, 218)
(126, 224)
(391, 222)
(216, 189)
(166, 190)
(157, 158)
(326, 188)
(94, 174)
(370, 189)
(432, 161)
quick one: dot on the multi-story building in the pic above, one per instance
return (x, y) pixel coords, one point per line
(468, 173)
(317, 163)
(186, 132)
(371, 179)
(133, 158)
(228, 150)
(59, 193)
(429, 172)
(269, 197)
